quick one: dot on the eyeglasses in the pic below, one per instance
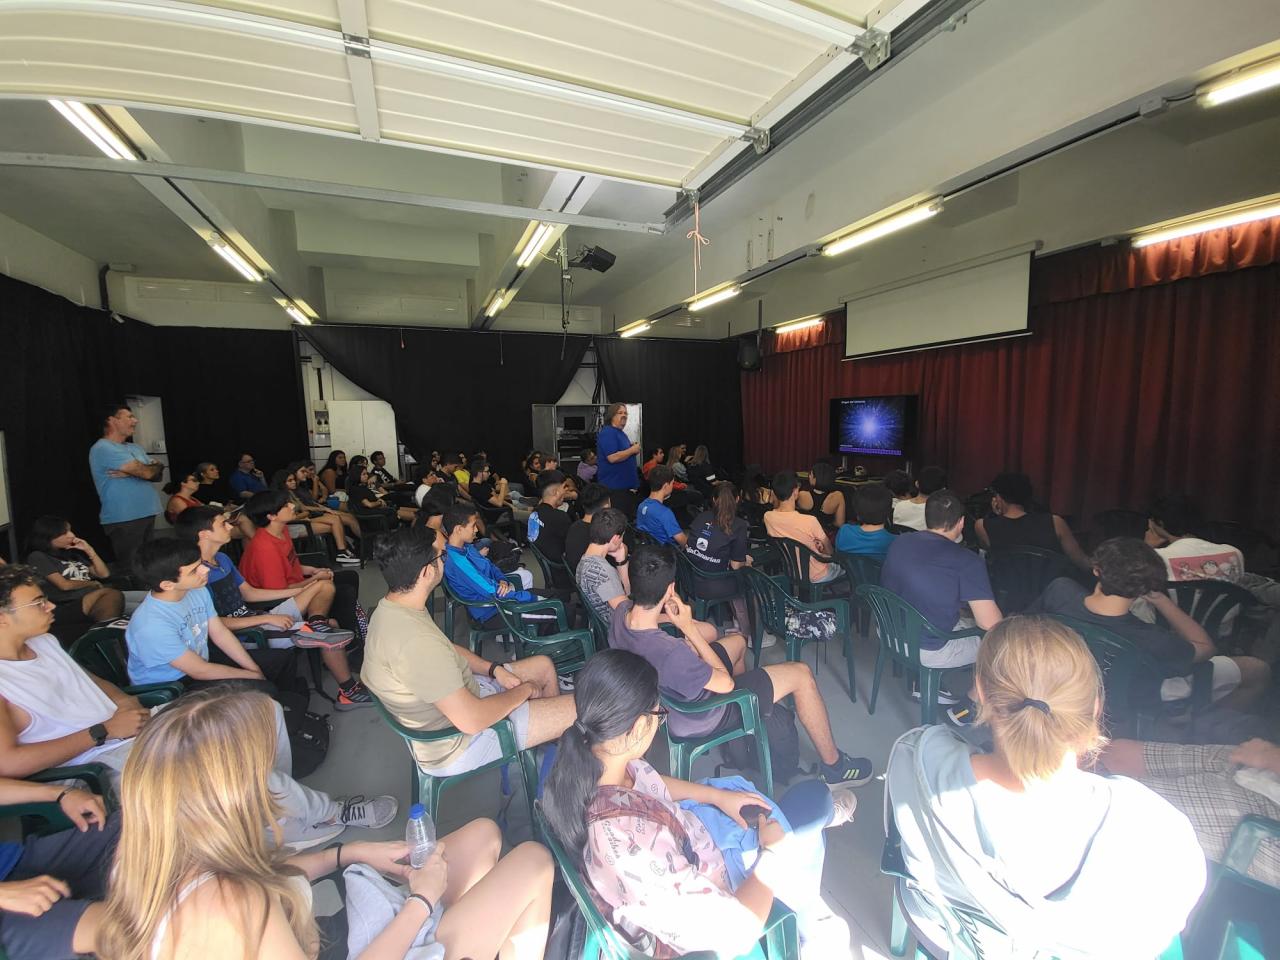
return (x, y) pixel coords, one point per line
(41, 601)
(661, 713)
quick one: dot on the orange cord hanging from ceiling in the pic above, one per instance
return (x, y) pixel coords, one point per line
(699, 241)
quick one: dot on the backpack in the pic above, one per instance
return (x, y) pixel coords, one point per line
(308, 731)
(784, 746)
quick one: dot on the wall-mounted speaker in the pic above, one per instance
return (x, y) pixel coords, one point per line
(748, 354)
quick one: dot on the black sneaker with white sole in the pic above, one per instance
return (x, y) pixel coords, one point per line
(847, 771)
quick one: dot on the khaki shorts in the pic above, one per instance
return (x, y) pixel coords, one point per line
(484, 747)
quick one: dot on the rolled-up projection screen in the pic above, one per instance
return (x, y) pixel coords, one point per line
(982, 302)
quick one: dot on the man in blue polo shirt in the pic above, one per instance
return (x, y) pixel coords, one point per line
(653, 516)
(617, 459)
(934, 573)
(248, 479)
(123, 474)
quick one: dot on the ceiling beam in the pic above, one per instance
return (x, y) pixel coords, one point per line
(261, 181)
(800, 18)
(354, 20)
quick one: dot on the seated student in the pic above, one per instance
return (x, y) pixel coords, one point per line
(681, 866)
(74, 573)
(429, 480)
(531, 465)
(168, 635)
(53, 713)
(653, 516)
(656, 456)
(271, 563)
(587, 467)
(692, 669)
(1013, 526)
(548, 524)
(247, 479)
(822, 500)
(213, 490)
(365, 502)
(785, 521)
(485, 488)
(311, 492)
(718, 541)
(379, 473)
(434, 504)
(867, 536)
(702, 472)
(333, 475)
(1067, 863)
(1171, 530)
(593, 498)
(307, 602)
(182, 494)
(910, 512)
(196, 876)
(1127, 569)
(936, 575)
(601, 572)
(472, 575)
(50, 885)
(1213, 786)
(428, 682)
(321, 522)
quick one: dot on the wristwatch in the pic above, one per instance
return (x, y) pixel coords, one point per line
(99, 733)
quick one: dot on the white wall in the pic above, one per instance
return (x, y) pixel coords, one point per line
(33, 258)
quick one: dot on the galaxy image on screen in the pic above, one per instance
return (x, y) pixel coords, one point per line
(871, 425)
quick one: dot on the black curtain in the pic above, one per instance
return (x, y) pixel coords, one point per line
(456, 389)
(222, 390)
(690, 390)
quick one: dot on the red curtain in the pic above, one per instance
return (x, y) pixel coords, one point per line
(1165, 385)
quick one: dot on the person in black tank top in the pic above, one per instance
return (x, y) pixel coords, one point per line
(822, 483)
(1012, 525)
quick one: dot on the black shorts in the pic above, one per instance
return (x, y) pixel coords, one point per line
(757, 681)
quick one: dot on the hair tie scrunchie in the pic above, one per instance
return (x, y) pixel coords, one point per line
(1038, 704)
(577, 725)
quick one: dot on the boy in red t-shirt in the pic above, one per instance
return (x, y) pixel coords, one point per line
(271, 563)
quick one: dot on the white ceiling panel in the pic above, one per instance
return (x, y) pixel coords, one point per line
(685, 53)
(99, 55)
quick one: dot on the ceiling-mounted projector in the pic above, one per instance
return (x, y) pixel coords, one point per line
(593, 258)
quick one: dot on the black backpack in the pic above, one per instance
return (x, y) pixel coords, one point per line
(308, 732)
(784, 746)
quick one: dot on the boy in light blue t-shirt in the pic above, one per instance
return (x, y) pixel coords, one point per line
(653, 516)
(168, 636)
(873, 503)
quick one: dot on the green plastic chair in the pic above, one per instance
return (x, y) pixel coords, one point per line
(683, 751)
(43, 818)
(1210, 602)
(1241, 940)
(428, 788)
(772, 603)
(689, 575)
(554, 572)
(795, 558)
(569, 647)
(861, 569)
(901, 626)
(1020, 574)
(476, 631)
(102, 652)
(1121, 663)
(599, 626)
(780, 940)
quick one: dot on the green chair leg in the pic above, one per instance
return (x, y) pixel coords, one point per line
(929, 682)
(875, 681)
(898, 934)
(848, 661)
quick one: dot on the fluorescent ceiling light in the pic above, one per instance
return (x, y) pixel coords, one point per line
(536, 242)
(711, 299)
(1206, 224)
(298, 315)
(498, 302)
(800, 18)
(883, 228)
(635, 328)
(1254, 79)
(95, 129)
(797, 324)
(233, 257)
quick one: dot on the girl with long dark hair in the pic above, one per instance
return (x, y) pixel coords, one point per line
(333, 475)
(675, 880)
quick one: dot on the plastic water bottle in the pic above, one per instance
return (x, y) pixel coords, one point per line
(420, 835)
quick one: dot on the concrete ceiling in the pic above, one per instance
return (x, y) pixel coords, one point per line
(929, 122)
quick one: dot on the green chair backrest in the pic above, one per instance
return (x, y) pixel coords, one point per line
(1120, 661)
(901, 625)
(554, 573)
(769, 594)
(103, 653)
(861, 569)
(599, 626)
(1210, 602)
(1020, 574)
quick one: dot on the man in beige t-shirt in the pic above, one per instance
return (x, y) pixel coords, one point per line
(787, 522)
(427, 682)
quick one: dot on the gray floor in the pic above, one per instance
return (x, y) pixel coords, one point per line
(365, 757)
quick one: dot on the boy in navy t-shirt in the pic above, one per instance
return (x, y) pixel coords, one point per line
(653, 516)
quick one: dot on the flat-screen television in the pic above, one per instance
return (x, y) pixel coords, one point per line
(874, 426)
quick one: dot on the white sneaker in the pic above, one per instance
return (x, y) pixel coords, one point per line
(767, 641)
(845, 802)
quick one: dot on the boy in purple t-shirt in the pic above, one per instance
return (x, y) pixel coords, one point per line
(690, 668)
